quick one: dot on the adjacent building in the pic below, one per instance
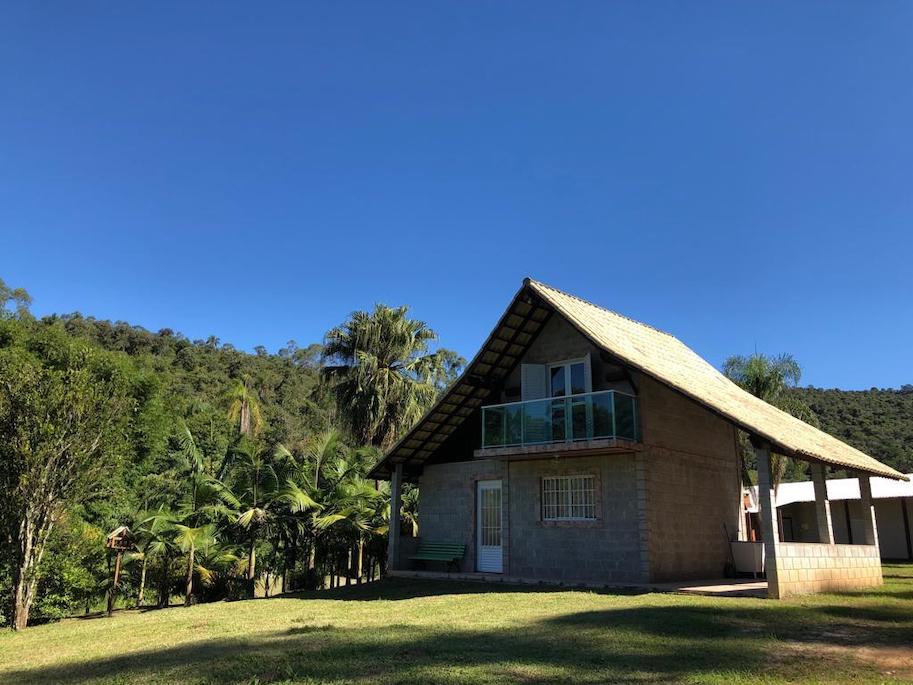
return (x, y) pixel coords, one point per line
(891, 499)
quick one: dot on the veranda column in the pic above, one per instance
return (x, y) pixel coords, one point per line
(768, 515)
(396, 503)
(822, 505)
(869, 530)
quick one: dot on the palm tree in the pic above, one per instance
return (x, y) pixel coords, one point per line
(142, 540)
(771, 379)
(357, 514)
(206, 503)
(260, 484)
(158, 529)
(410, 508)
(382, 372)
(351, 506)
(244, 409)
(188, 540)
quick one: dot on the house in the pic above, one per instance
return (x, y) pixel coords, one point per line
(582, 446)
(891, 499)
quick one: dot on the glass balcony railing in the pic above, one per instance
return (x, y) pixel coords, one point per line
(589, 416)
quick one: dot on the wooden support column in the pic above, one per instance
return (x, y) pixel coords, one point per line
(768, 516)
(396, 503)
(869, 529)
(822, 505)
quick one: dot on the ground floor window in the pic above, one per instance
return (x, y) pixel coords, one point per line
(569, 498)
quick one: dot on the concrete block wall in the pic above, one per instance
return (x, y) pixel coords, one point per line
(605, 550)
(804, 568)
(447, 504)
(690, 485)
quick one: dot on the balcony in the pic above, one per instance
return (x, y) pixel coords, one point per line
(608, 415)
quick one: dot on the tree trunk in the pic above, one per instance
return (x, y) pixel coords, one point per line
(164, 582)
(188, 584)
(23, 594)
(252, 568)
(361, 558)
(291, 560)
(245, 418)
(34, 530)
(142, 583)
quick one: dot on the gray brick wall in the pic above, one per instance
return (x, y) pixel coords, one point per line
(691, 484)
(607, 550)
(447, 496)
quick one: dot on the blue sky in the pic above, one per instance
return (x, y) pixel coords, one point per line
(738, 174)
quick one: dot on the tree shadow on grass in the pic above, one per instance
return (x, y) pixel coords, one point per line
(639, 644)
(396, 589)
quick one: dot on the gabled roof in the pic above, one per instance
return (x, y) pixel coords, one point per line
(647, 349)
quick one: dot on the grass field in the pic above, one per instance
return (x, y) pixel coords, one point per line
(400, 631)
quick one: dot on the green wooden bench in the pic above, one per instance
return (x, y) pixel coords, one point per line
(449, 552)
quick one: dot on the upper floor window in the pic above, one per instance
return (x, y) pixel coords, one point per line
(568, 378)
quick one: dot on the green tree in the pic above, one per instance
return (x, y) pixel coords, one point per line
(63, 410)
(206, 504)
(155, 533)
(17, 297)
(244, 409)
(772, 379)
(383, 373)
(260, 482)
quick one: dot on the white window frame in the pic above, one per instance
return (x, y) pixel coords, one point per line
(588, 483)
(587, 376)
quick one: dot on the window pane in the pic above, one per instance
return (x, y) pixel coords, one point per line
(558, 386)
(568, 498)
(491, 517)
(578, 378)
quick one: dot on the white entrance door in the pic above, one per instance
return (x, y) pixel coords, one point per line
(488, 531)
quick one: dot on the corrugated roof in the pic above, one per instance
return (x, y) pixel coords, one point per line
(668, 360)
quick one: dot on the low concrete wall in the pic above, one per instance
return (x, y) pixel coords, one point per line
(804, 568)
(799, 523)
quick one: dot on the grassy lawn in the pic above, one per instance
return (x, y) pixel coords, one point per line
(400, 631)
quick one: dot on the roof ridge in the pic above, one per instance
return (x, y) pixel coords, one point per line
(599, 306)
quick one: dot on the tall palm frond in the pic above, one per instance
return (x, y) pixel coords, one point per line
(771, 378)
(244, 409)
(383, 372)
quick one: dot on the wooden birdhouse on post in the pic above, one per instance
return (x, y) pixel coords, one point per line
(119, 540)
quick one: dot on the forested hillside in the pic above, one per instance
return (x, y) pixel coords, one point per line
(232, 470)
(878, 422)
